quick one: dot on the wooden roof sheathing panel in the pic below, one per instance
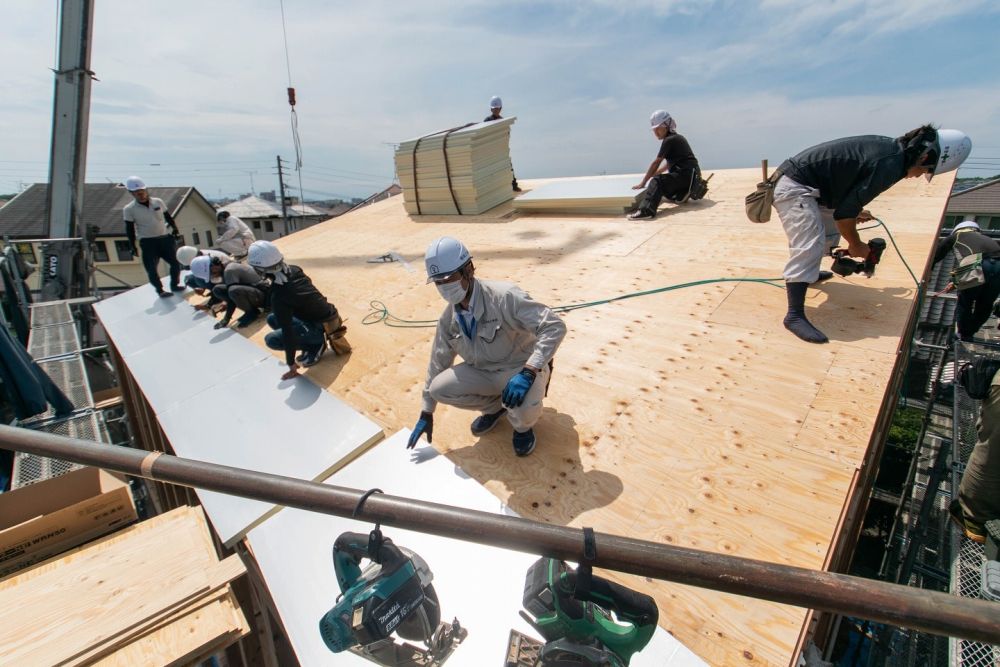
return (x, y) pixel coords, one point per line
(689, 417)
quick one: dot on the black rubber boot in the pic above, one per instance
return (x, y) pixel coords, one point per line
(795, 320)
(824, 275)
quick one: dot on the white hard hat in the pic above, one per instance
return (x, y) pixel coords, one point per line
(201, 268)
(133, 183)
(967, 224)
(185, 254)
(496, 102)
(444, 257)
(658, 118)
(954, 147)
(264, 254)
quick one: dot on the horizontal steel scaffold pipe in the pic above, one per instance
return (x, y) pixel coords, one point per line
(927, 611)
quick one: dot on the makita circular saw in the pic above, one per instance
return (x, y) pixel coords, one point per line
(392, 595)
(572, 610)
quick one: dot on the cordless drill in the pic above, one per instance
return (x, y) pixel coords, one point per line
(845, 265)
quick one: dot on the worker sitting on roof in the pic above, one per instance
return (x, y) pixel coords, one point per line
(234, 237)
(821, 194)
(241, 287)
(979, 491)
(506, 341)
(975, 303)
(146, 218)
(496, 104)
(300, 314)
(672, 173)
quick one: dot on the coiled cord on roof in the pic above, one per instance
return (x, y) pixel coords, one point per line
(380, 312)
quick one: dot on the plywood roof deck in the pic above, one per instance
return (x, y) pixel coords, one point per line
(689, 417)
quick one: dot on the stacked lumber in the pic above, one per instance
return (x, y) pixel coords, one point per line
(153, 593)
(478, 163)
(610, 195)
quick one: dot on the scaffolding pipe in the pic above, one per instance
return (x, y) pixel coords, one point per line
(927, 611)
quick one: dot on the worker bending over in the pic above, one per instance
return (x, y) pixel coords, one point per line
(821, 194)
(673, 171)
(234, 237)
(506, 341)
(300, 314)
(979, 490)
(974, 303)
(146, 219)
(186, 255)
(237, 285)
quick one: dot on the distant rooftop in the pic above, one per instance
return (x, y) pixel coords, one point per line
(983, 198)
(255, 207)
(24, 216)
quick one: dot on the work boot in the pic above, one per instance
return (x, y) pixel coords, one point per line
(642, 214)
(823, 275)
(795, 321)
(524, 443)
(247, 318)
(163, 294)
(484, 423)
(974, 531)
(311, 357)
(177, 288)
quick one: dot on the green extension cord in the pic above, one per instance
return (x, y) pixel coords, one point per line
(380, 312)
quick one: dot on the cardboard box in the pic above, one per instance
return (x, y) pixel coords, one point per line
(44, 519)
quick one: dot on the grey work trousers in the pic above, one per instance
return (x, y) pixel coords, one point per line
(979, 490)
(467, 387)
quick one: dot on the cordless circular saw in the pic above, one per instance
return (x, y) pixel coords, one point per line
(391, 595)
(572, 610)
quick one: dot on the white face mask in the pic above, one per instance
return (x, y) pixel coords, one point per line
(453, 293)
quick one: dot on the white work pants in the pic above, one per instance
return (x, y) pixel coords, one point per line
(466, 387)
(810, 229)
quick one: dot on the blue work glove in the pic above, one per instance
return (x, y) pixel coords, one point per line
(424, 425)
(517, 388)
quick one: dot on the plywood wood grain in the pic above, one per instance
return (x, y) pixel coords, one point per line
(689, 416)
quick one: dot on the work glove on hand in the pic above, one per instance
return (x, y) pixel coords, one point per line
(517, 388)
(424, 425)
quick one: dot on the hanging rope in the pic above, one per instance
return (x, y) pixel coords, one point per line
(296, 141)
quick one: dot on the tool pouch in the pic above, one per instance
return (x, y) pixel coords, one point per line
(758, 202)
(335, 331)
(969, 272)
(976, 377)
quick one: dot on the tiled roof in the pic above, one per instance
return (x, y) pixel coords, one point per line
(252, 207)
(983, 198)
(24, 215)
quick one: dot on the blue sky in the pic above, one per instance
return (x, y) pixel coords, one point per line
(198, 88)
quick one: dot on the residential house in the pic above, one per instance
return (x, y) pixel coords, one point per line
(23, 218)
(265, 218)
(981, 203)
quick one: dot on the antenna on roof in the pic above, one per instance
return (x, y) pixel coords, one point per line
(291, 102)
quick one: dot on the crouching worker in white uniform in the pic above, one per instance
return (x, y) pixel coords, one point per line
(506, 341)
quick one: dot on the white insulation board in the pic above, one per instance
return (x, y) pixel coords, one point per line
(219, 398)
(480, 585)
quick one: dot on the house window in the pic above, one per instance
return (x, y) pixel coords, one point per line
(124, 251)
(101, 251)
(196, 239)
(256, 225)
(26, 251)
(995, 222)
(268, 226)
(208, 239)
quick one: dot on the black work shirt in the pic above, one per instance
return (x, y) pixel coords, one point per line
(969, 243)
(298, 297)
(676, 150)
(849, 173)
(492, 117)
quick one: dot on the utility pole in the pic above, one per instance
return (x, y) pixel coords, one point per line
(70, 120)
(281, 186)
